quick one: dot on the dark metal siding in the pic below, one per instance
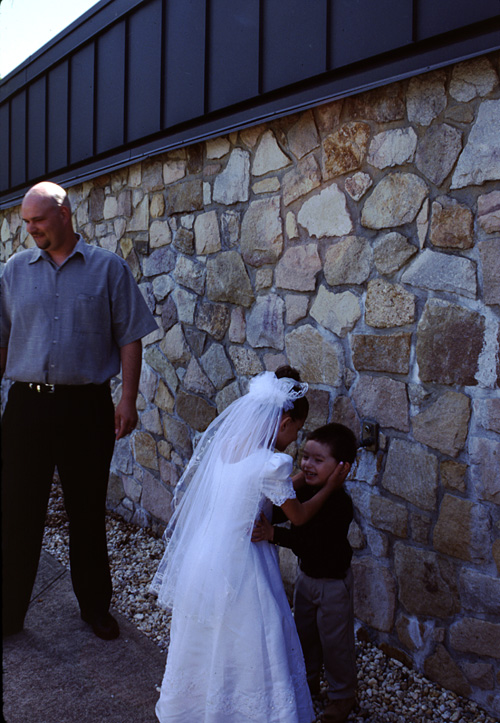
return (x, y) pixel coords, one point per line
(136, 77)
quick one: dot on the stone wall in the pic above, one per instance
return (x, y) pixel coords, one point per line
(360, 242)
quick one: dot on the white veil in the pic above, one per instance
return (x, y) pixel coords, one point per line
(217, 501)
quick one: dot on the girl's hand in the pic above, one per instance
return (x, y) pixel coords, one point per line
(337, 477)
(263, 530)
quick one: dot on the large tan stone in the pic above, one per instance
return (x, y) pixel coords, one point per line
(227, 279)
(265, 326)
(436, 271)
(382, 399)
(426, 582)
(196, 381)
(490, 262)
(444, 424)
(194, 410)
(217, 367)
(261, 232)
(246, 362)
(426, 97)
(388, 305)
(488, 212)
(184, 197)
(485, 458)
(453, 475)
(326, 214)
(336, 312)
(441, 668)
(300, 180)
(479, 637)
(395, 201)
(298, 267)
(174, 346)
(480, 159)
(472, 78)
(232, 184)
(190, 273)
(319, 360)
(268, 155)
(479, 593)
(177, 433)
(144, 448)
(387, 353)
(394, 147)
(213, 318)
(381, 105)
(327, 116)
(449, 342)
(451, 224)
(206, 233)
(412, 473)
(156, 498)
(345, 149)
(437, 152)
(389, 516)
(374, 593)
(303, 136)
(343, 412)
(348, 261)
(453, 530)
(391, 251)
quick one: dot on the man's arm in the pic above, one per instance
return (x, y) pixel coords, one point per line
(126, 410)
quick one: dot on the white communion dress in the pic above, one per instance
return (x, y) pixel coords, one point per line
(234, 654)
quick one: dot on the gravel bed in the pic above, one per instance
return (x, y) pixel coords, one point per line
(388, 691)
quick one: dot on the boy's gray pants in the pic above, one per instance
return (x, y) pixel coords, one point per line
(324, 616)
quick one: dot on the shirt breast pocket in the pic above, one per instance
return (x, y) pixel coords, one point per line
(91, 314)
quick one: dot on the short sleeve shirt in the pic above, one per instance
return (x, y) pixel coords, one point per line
(66, 324)
(277, 483)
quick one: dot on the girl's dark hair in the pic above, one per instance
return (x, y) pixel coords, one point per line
(300, 408)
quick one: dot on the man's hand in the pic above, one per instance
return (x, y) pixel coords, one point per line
(263, 530)
(125, 417)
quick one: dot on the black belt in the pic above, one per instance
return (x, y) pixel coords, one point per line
(39, 388)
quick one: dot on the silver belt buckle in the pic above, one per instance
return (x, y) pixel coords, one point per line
(40, 388)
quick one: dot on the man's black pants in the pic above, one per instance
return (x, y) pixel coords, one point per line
(72, 429)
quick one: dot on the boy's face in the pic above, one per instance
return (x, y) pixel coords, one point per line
(317, 463)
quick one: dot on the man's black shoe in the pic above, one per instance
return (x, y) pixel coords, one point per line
(104, 626)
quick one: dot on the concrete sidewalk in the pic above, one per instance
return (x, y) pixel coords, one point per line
(58, 671)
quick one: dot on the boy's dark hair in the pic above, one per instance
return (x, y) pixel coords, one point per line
(339, 438)
(300, 408)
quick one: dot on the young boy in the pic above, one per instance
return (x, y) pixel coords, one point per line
(323, 598)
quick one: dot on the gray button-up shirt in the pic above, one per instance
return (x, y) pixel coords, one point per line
(66, 324)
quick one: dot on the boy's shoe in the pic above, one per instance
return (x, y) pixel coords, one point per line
(338, 710)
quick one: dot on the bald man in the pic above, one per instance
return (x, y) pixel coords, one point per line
(72, 315)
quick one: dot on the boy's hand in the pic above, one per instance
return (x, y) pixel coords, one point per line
(337, 477)
(263, 530)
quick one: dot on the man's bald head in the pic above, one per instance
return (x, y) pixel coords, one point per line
(50, 192)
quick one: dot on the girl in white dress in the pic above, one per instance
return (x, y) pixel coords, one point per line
(234, 654)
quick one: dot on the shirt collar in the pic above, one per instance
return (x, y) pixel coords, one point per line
(81, 248)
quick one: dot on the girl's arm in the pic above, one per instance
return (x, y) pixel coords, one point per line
(301, 512)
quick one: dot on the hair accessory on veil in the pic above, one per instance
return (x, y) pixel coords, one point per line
(266, 387)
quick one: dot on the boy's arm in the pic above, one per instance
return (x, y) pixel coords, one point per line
(264, 530)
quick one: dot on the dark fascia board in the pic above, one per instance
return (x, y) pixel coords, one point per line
(87, 26)
(359, 77)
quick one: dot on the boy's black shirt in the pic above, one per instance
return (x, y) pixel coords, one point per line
(321, 544)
